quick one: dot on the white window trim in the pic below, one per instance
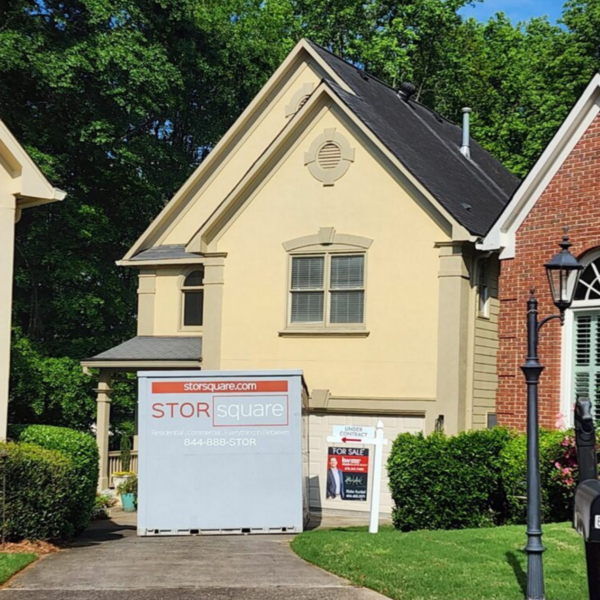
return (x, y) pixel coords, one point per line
(568, 329)
(566, 363)
(485, 312)
(182, 290)
(325, 327)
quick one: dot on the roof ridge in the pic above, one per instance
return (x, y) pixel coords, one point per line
(383, 83)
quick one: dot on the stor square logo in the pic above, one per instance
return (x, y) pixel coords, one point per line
(250, 411)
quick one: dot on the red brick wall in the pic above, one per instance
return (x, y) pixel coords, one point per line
(572, 198)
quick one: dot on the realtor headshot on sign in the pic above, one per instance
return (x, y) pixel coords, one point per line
(335, 480)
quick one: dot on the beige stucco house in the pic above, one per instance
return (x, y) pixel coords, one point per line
(332, 229)
(22, 185)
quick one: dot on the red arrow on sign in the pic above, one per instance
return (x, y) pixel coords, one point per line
(345, 439)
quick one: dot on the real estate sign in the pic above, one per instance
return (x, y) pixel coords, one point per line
(353, 467)
(221, 452)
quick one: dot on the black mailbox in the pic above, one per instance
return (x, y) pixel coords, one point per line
(587, 510)
(586, 518)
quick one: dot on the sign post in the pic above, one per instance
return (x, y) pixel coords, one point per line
(376, 494)
(358, 435)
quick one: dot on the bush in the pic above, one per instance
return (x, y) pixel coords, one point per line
(81, 448)
(440, 482)
(38, 492)
(102, 505)
(558, 476)
(129, 486)
(478, 478)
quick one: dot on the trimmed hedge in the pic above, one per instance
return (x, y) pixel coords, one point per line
(82, 450)
(440, 482)
(557, 496)
(38, 492)
(477, 478)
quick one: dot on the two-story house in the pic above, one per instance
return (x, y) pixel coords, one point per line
(332, 230)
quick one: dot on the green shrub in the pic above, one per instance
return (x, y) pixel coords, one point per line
(440, 482)
(38, 492)
(129, 486)
(81, 448)
(102, 505)
(557, 452)
(478, 478)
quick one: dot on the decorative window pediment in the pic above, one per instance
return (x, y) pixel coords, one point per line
(328, 237)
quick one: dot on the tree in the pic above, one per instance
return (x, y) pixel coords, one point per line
(117, 101)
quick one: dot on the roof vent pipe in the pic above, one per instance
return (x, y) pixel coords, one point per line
(465, 149)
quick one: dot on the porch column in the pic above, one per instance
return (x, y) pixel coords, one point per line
(453, 335)
(103, 392)
(214, 270)
(8, 217)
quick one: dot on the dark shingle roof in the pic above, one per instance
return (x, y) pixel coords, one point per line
(473, 191)
(165, 252)
(145, 347)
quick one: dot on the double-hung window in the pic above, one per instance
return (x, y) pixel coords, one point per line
(327, 290)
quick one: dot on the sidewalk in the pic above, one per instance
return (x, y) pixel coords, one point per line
(110, 561)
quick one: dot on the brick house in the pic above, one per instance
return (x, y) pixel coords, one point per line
(563, 189)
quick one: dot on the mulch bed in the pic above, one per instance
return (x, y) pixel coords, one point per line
(28, 547)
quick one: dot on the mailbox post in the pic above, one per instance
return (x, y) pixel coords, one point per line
(586, 519)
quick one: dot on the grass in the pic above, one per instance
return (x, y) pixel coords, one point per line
(469, 564)
(13, 563)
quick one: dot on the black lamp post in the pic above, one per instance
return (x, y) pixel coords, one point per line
(563, 274)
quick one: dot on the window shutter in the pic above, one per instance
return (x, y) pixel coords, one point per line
(347, 295)
(586, 369)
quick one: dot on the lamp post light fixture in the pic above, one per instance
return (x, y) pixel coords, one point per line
(563, 272)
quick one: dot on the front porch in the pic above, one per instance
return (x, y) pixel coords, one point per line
(141, 353)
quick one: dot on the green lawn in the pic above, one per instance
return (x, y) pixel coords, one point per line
(470, 564)
(12, 563)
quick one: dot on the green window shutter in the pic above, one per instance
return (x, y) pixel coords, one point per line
(586, 354)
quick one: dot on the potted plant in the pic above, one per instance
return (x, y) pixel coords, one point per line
(121, 476)
(128, 492)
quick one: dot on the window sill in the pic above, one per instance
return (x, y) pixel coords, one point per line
(323, 332)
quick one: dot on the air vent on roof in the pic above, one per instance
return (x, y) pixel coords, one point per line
(466, 205)
(330, 156)
(406, 90)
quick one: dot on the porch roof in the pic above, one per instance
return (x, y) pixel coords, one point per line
(145, 351)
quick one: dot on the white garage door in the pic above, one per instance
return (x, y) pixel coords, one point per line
(321, 426)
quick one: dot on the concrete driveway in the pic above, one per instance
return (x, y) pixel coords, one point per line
(111, 562)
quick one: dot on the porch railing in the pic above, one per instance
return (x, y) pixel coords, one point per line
(114, 464)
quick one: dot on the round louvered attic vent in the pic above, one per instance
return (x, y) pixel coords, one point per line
(330, 156)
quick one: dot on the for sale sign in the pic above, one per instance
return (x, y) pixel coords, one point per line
(221, 451)
(347, 473)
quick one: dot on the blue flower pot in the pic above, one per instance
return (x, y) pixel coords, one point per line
(128, 501)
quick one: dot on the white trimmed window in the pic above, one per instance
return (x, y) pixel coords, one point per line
(327, 290)
(483, 287)
(581, 341)
(192, 313)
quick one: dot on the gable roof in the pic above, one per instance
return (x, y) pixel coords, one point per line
(473, 191)
(33, 188)
(502, 234)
